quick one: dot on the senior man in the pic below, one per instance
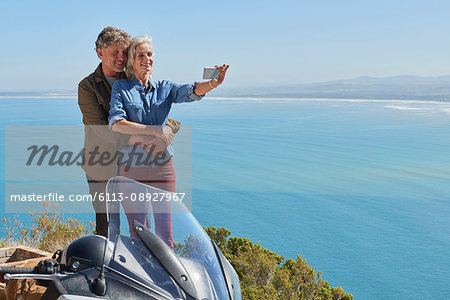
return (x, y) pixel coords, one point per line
(101, 144)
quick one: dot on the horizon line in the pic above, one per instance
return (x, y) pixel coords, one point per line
(259, 99)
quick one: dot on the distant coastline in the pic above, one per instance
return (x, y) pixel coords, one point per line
(364, 88)
(38, 97)
(247, 98)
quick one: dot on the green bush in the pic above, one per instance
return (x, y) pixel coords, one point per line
(264, 274)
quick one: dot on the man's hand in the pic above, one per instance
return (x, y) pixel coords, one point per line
(167, 135)
(153, 143)
(149, 142)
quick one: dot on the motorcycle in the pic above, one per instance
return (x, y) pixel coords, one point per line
(139, 262)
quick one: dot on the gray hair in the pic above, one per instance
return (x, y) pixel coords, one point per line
(111, 35)
(136, 41)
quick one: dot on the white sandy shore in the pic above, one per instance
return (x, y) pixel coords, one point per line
(326, 99)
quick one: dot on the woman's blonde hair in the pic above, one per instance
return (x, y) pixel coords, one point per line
(136, 41)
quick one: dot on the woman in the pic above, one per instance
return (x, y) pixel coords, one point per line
(140, 106)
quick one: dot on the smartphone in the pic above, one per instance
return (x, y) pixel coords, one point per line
(210, 73)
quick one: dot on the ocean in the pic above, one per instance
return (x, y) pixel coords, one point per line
(359, 188)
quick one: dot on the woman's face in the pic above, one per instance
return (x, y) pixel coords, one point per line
(143, 60)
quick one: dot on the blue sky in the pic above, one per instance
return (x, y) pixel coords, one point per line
(50, 44)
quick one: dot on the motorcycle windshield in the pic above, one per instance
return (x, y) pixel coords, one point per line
(159, 244)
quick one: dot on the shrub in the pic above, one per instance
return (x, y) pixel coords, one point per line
(264, 274)
(49, 231)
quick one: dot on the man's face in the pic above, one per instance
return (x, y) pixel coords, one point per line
(114, 58)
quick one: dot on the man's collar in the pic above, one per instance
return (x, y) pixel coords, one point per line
(99, 76)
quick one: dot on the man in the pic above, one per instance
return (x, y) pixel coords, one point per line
(101, 144)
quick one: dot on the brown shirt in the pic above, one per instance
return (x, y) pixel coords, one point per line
(101, 143)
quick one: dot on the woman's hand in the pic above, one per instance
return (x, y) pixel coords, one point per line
(222, 71)
(202, 88)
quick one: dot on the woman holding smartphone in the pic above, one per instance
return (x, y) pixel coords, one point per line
(140, 106)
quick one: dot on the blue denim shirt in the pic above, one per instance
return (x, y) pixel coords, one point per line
(129, 101)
